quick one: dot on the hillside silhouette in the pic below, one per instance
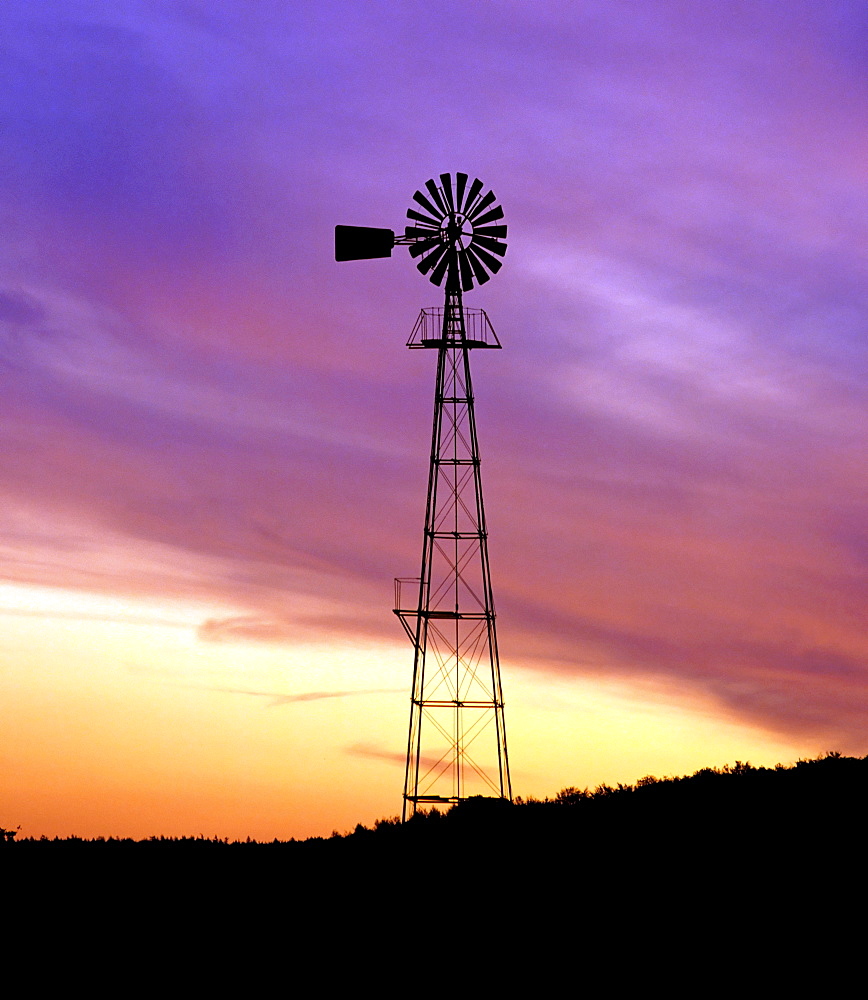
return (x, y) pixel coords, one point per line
(736, 821)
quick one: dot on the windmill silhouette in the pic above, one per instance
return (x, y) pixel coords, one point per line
(456, 746)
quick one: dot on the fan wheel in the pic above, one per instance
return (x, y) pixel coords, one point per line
(454, 238)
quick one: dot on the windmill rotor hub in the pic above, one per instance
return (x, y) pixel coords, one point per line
(457, 230)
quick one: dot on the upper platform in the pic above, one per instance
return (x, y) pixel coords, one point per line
(478, 331)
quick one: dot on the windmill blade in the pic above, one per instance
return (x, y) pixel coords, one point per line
(417, 249)
(498, 232)
(478, 269)
(460, 185)
(446, 181)
(435, 194)
(454, 272)
(412, 214)
(466, 272)
(492, 263)
(420, 199)
(483, 202)
(492, 245)
(495, 213)
(439, 271)
(436, 254)
(472, 195)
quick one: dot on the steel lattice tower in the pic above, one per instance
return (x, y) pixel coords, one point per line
(456, 746)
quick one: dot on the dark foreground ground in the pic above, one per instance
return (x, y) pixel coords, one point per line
(696, 885)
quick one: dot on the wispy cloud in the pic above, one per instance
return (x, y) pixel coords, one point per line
(374, 752)
(246, 629)
(113, 619)
(275, 699)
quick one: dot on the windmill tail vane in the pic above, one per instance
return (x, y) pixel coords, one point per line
(456, 744)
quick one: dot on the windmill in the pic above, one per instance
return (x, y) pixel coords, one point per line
(456, 747)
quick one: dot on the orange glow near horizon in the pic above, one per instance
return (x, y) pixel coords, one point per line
(127, 724)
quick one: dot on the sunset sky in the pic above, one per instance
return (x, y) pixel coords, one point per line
(215, 443)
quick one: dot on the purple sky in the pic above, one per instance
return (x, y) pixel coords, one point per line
(197, 401)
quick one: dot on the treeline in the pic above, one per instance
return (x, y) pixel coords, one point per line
(738, 809)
